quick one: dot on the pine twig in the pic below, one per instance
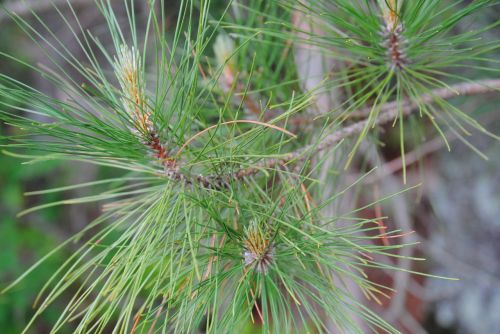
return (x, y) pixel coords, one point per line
(388, 112)
(461, 89)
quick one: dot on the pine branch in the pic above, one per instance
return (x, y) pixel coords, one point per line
(457, 90)
(388, 113)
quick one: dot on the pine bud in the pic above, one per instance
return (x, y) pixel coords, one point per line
(390, 12)
(128, 71)
(259, 249)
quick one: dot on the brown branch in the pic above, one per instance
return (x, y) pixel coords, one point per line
(419, 153)
(393, 166)
(388, 112)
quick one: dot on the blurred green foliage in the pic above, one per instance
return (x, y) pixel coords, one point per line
(22, 240)
(22, 244)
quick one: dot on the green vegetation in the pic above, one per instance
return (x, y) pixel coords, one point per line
(225, 174)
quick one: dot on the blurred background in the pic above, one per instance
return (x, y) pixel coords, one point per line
(455, 213)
